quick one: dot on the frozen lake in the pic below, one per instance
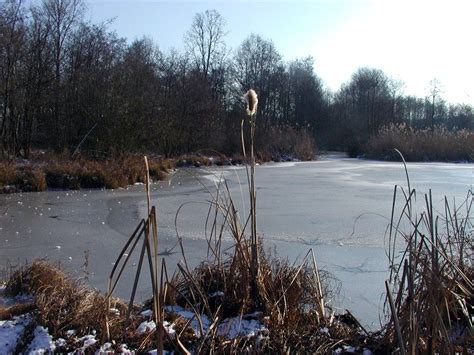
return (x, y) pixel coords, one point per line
(337, 206)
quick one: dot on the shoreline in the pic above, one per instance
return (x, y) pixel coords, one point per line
(55, 174)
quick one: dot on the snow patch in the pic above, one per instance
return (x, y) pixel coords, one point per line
(147, 313)
(123, 349)
(87, 340)
(60, 342)
(155, 352)
(12, 331)
(194, 322)
(146, 327)
(216, 294)
(105, 347)
(42, 342)
(237, 326)
(324, 331)
(229, 328)
(114, 311)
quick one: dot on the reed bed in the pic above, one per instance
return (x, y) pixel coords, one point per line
(438, 144)
(430, 294)
(65, 173)
(15, 178)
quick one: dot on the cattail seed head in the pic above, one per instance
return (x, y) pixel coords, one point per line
(252, 101)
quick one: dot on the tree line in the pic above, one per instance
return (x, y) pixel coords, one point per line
(66, 83)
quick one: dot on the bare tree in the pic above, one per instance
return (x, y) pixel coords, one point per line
(395, 88)
(257, 64)
(12, 35)
(205, 41)
(434, 90)
(62, 16)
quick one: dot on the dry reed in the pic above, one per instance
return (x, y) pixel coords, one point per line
(432, 278)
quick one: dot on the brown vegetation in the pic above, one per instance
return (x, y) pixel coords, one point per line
(25, 178)
(283, 143)
(422, 144)
(430, 291)
(55, 171)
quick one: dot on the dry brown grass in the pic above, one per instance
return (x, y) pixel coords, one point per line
(431, 291)
(57, 171)
(16, 310)
(285, 142)
(21, 177)
(62, 304)
(422, 145)
(109, 173)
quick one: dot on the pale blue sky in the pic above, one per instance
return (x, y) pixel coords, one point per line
(414, 41)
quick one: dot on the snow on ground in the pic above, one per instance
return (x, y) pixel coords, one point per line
(347, 349)
(146, 327)
(12, 331)
(87, 341)
(105, 347)
(188, 315)
(147, 313)
(237, 326)
(42, 342)
(229, 328)
(9, 301)
(216, 294)
(165, 352)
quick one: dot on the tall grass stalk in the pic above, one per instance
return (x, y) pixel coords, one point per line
(147, 231)
(252, 101)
